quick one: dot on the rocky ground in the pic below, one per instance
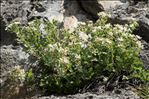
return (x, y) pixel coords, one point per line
(74, 12)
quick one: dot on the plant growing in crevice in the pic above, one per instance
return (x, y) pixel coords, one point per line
(72, 59)
(17, 75)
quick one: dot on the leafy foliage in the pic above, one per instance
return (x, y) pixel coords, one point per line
(72, 59)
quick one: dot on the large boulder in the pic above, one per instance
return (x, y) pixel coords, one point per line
(15, 11)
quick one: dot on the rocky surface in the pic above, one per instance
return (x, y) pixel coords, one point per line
(124, 94)
(140, 12)
(70, 14)
(99, 93)
(12, 56)
(144, 55)
(93, 7)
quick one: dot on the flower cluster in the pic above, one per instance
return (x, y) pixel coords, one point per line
(17, 74)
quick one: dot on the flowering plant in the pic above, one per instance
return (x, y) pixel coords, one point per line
(17, 75)
(72, 59)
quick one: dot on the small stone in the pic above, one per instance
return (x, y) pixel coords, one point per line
(118, 91)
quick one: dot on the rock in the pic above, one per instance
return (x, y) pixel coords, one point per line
(91, 7)
(14, 92)
(15, 11)
(124, 13)
(73, 15)
(107, 4)
(53, 10)
(143, 29)
(71, 8)
(70, 23)
(144, 55)
(12, 53)
(10, 57)
(6, 38)
(95, 6)
(108, 95)
(25, 11)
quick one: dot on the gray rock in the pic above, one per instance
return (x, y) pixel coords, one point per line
(144, 55)
(52, 10)
(107, 4)
(93, 7)
(15, 11)
(10, 57)
(124, 13)
(12, 53)
(126, 94)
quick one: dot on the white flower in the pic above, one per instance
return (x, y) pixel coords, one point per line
(107, 25)
(120, 45)
(96, 28)
(83, 36)
(120, 39)
(82, 23)
(10, 25)
(77, 56)
(18, 73)
(140, 45)
(98, 39)
(120, 27)
(138, 37)
(130, 35)
(50, 45)
(103, 40)
(125, 34)
(99, 27)
(110, 33)
(125, 29)
(31, 23)
(53, 47)
(83, 45)
(103, 14)
(35, 29)
(108, 41)
(42, 30)
(17, 23)
(64, 51)
(64, 60)
(90, 22)
(89, 36)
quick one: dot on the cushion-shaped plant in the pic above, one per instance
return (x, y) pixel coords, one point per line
(72, 59)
